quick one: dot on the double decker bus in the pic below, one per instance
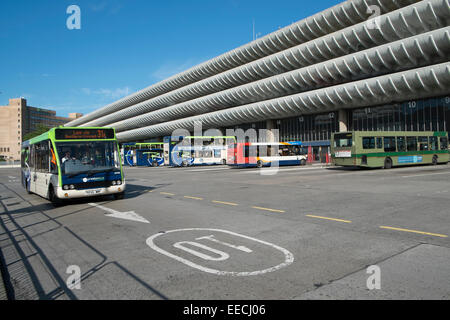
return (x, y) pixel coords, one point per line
(66, 163)
(196, 150)
(261, 154)
(387, 149)
(143, 154)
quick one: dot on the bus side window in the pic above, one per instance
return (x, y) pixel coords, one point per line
(379, 143)
(401, 144)
(31, 156)
(389, 144)
(423, 143)
(444, 143)
(411, 143)
(434, 143)
(368, 142)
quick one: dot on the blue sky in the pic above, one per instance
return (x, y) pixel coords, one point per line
(123, 45)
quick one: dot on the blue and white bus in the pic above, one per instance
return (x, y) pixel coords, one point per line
(196, 150)
(147, 154)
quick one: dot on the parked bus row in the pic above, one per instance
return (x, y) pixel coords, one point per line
(66, 163)
(212, 150)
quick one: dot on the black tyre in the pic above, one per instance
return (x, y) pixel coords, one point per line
(303, 162)
(119, 196)
(388, 163)
(259, 164)
(224, 162)
(435, 160)
(53, 198)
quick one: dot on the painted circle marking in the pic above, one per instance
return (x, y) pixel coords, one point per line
(289, 257)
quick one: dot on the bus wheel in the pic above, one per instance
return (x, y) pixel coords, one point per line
(224, 162)
(435, 160)
(388, 163)
(303, 162)
(119, 196)
(53, 198)
(259, 164)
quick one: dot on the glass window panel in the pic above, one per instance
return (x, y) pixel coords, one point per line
(401, 145)
(411, 143)
(444, 143)
(434, 114)
(427, 115)
(434, 144)
(414, 116)
(447, 113)
(368, 142)
(423, 144)
(379, 143)
(389, 144)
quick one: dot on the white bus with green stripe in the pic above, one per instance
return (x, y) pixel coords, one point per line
(387, 149)
(66, 163)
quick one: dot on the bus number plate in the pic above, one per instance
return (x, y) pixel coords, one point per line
(93, 191)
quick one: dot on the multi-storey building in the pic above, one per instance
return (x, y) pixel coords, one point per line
(17, 119)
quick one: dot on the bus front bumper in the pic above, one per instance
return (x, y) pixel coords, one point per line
(71, 194)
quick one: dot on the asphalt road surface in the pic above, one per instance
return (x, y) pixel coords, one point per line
(221, 233)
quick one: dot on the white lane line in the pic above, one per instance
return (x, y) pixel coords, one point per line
(268, 169)
(129, 215)
(425, 174)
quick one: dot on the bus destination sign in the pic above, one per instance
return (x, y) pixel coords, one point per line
(83, 134)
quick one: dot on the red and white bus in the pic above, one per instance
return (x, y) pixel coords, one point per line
(262, 154)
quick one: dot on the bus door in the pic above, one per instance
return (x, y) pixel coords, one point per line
(42, 174)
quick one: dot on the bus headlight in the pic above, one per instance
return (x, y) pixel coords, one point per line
(113, 182)
(118, 182)
(72, 187)
(66, 187)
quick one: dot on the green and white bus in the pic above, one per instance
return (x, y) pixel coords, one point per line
(386, 149)
(66, 163)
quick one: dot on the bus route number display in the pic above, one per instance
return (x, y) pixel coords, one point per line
(75, 134)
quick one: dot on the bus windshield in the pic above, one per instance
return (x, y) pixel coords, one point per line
(343, 140)
(88, 156)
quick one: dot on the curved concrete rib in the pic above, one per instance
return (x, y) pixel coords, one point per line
(401, 86)
(411, 20)
(320, 24)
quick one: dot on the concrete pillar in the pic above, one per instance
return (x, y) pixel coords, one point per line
(270, 136)
(343, 120)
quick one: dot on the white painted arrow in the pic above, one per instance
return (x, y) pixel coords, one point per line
(129, 215)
